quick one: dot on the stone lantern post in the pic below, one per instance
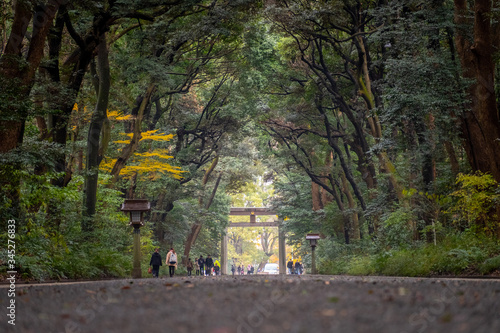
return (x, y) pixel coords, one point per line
(136, 208)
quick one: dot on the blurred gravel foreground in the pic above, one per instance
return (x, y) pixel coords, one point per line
(248, 304)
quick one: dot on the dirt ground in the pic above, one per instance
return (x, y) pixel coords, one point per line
(256, 304)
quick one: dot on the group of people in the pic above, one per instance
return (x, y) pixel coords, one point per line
(205, 266)
(241, 269)
(170, 261)
(294, 268)
(202, 266)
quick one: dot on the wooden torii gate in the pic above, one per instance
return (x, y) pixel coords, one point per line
(253, 212)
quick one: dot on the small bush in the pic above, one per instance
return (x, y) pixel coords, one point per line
(456, 253)
(397, 231)
(490, 265)
(474, 203)
(333, 267)
(361, 265)
(405, 263)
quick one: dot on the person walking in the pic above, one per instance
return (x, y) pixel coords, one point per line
(216, 269)
(233, 269)
(155, 262)
(189, 266)
(216, 262)
(196, 267)
(239, 269)
(201, 263)
(171, 261)
(249, 268)
(289, 265)
(209, 263)
(297, 267)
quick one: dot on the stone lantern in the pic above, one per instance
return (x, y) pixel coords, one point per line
(136, 208)
(313, 240)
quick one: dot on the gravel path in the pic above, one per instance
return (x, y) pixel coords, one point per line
(257, 304)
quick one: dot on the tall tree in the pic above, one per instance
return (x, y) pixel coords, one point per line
(480, 125)
(18, 68)
(94, 135)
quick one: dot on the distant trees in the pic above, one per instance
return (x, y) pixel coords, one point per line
(379, 106)
(476, 51)
(373, 93)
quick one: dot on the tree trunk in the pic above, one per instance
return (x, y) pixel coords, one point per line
(17, 74)
(346, 223)
(354, 232)
(480, 125)
(93, 139)
(137, 125)
(196, 227)
(452, 156)
(316, 197)
(365, 90)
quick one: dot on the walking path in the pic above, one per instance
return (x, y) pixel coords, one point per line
(257, 304)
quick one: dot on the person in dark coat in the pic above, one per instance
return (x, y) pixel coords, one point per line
(209, 263)
(233, 269)
(297, 267)
(156, 262)
(201, 263)
(189, 266)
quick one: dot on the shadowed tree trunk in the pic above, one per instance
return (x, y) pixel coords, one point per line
(93, 139)
(137, 130)
(480, 125)
(17, 74)
(196, 228)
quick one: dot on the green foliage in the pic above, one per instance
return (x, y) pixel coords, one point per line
(458, 260)
(50, 244)
(474, 203)
(227, 75)
(490, 265)
(397, 229)
(464, 253)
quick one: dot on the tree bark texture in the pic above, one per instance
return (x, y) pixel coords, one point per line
(354, 231)
(17, 73)
(129, 150)
(196, 227)
(93, 139)
(480, 125)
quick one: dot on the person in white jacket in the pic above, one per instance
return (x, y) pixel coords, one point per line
(171, 261)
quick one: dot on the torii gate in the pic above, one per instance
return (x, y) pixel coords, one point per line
(253, 212)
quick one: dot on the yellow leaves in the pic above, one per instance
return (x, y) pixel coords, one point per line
(474, 202)
(149, 164)
(160, 153)
(153, 168)
(107, 164)
(410, 192)
(118, 116)
(149, 135)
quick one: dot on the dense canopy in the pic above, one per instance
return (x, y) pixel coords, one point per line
(373, 123)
